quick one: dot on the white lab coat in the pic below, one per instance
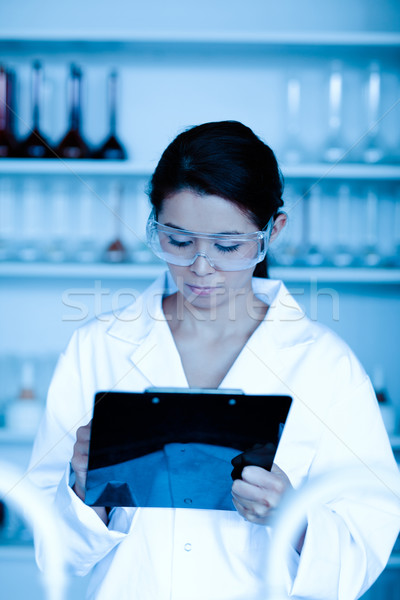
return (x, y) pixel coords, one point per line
(186, 554)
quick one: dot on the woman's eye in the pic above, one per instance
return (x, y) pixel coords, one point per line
(233, 248)
(179, 243)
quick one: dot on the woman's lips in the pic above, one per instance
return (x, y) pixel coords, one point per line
(201, 290)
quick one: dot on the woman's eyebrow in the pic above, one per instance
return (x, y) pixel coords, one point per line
(218, 233)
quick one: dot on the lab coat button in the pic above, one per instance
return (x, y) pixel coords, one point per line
(188, 501)
(188, 547)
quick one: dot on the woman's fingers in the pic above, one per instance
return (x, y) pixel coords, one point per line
(258, 492)
(79, 460)
(262, 478)
(83, 435)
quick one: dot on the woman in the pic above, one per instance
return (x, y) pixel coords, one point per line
(216, 196)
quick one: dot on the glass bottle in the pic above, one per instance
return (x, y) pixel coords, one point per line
(311, 243)
(335, 150)
(287, 251)
(25, 411)
(7, 140)
(73, 145)
(7, 219)
(292, 152)
(11, 93)
(31, 225)
(58, 213)
(87, 250)
(112, 149)
(116, 252)
(35, 144)
(373, 152)
(395, 259)
(343, 255)
(370, 253)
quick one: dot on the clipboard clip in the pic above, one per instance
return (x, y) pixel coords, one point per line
(177, 390)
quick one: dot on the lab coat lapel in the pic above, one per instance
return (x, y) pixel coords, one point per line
(158, 360)
(261, 367)
(151, 346)
(258, 368)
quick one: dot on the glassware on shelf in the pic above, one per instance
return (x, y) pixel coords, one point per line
(335, 150)
(24, 412)
(87, 250)
(73, 145)
(57, 250)
(141, 253)
(35, 145)
(112, 149)
(31, 243)
(11, 94)
(116, 251)
(343, 256)
(7, 219)
(395, 259)
(373, 152)
(285, 251)
(7, 140)
(292, 151)
(311, 252)
(370, 256)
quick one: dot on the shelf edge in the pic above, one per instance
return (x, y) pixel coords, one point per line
(306, 38)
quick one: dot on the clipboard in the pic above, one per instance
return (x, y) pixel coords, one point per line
(173, 447)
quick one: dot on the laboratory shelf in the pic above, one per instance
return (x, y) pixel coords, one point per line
(60, 166)
(151, 271)
(342, 170)
(336, 275)
(56, 167)
(130, 39)
(80, 271)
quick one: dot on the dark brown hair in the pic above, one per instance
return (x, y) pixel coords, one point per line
(225, 159)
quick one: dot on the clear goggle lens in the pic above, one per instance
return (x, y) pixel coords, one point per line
(224, 252)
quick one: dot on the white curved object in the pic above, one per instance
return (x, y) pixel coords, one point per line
(18, 492)
(288, 523)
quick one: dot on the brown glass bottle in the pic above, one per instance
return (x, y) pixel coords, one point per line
(111, 149)
(35, 145)
(73, 145)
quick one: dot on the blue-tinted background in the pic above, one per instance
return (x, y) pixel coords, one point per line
(179, 64)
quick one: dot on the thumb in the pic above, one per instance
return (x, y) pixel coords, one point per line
(275, 469)
(281, 474)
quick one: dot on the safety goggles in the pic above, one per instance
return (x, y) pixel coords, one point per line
(224, 252)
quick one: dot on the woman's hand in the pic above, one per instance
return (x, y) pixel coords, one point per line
(259, 492)
(79, 463)
(79, 460)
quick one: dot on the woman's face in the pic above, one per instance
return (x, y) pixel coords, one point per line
(200, 283)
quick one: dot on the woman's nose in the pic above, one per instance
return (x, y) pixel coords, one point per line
(202, 265)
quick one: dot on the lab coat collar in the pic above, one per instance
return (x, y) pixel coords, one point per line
(287, 323)
(143, 325)
(134, 322)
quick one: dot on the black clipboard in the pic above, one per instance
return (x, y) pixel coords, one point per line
(172, 447)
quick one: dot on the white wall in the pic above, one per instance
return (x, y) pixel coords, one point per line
(122, 17)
